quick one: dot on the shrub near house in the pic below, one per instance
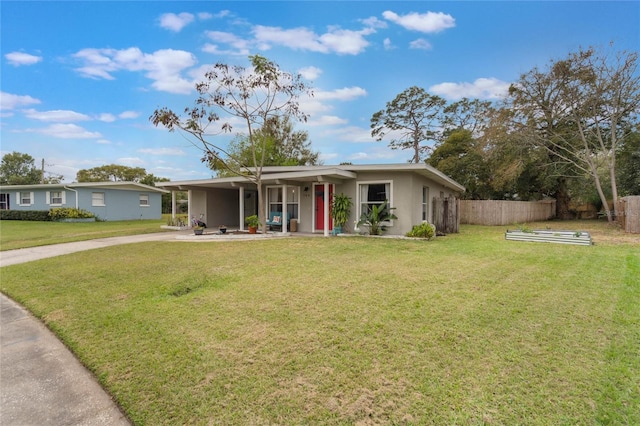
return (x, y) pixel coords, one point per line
(68, 214)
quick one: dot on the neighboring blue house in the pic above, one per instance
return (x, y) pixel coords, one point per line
(107, 200)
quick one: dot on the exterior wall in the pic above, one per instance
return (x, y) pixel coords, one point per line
(198, 205)
(119, 204)
(223, 208)
(406, 197)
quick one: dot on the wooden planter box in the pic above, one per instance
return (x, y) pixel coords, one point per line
(559, 237)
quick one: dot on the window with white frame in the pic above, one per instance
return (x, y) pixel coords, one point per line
(373, 194)
(274, 200)
(144, 200)
(25, 198)
(425, 203)
(97, 199)
(4, 202)
(55, 198)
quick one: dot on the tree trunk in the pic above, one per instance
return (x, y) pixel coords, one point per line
(562, 200)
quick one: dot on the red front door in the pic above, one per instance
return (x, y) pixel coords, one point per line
(319, 194)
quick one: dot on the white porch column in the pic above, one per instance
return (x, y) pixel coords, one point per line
(173, 204)
(284, 208)
(189, 210)
(241, 195)
(327, 200)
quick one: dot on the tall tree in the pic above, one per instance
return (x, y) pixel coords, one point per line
(629, 166)
(283, 146)
(467, 114)
(588, 105)
(254, 96)
(412, 120)
(19, 169)
(111, 172)
(460, 156)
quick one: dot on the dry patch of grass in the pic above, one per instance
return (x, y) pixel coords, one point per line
(466, 329)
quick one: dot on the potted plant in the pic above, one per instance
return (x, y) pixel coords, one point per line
(198, 230)
(252, 222)
(375, 217)
(340, 210)
(222, 229)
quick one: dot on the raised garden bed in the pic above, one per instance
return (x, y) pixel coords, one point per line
(559, 237)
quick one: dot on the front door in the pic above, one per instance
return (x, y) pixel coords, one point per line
(318, 190)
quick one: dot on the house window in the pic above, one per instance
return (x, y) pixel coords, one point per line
(55, 198)
(274, 200)
(4, 202)
(144, 200)
(425, 203)
(97, 199)
(25, 198)
(373, 194)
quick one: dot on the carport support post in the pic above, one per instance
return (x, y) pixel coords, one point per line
(284, 208)
(173, 204)
(326, 209)
(242, 208)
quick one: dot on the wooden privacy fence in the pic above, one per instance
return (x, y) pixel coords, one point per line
(628, 210)
(501, 212)
(446, 215)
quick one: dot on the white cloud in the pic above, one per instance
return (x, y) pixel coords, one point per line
(327, 120)
(161, 151)
(352, 134)
(336, 40)
(387, 44)
(345, 42)
(128, 114)
(420, 44)
(344, 94)
(203, 16)
(19, 58)
(173, 22)
(130, 161)
(66, 131)
(430, 22)
(11, 101)
(56, 115)
(310, 73)
(103, 142)
(374, 22)
(106, 117)
(241, 45)
(374, 155)
(482, 88)
(164, 66)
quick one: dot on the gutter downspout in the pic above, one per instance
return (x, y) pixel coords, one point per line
(74, 190)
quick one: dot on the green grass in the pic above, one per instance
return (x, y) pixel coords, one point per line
(16, 234)
(466, 329)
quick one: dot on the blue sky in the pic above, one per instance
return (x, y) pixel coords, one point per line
(79, 80)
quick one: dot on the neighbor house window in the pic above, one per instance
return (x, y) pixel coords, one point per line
(55, 198)
(144, 200)
(4, 202)
(274, 200)
(425, 203)
(97, 199)
(373, 194)
(25, 198)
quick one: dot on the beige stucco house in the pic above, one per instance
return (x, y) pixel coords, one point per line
(305, 192)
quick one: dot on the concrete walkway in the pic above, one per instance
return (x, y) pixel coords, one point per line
(41, 381)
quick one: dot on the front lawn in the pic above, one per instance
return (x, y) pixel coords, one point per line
(15, 234)
(466, 329)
